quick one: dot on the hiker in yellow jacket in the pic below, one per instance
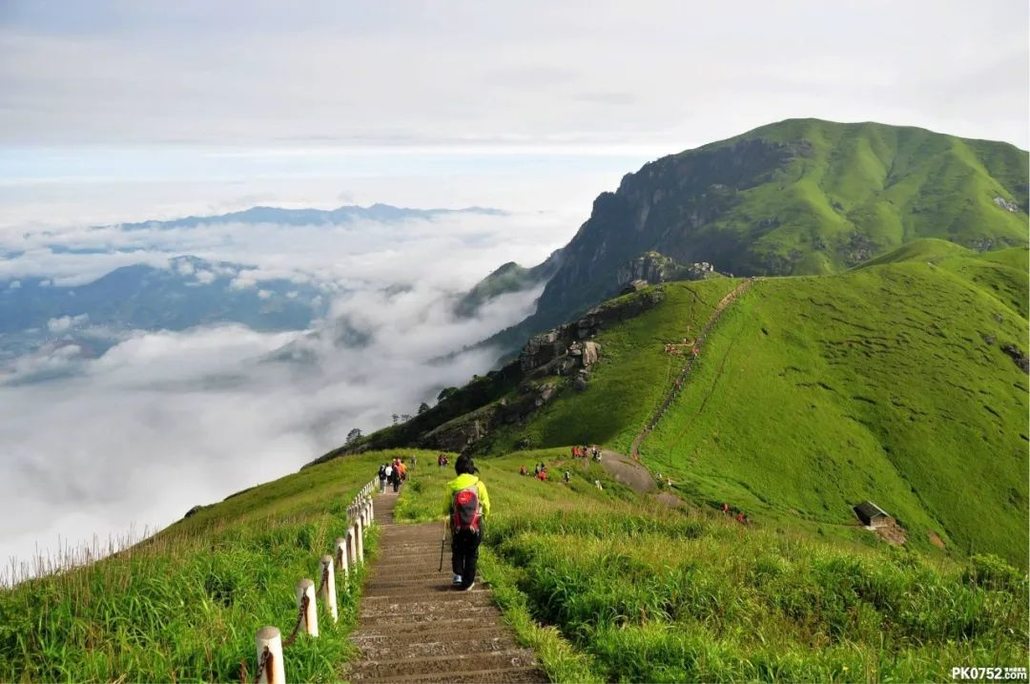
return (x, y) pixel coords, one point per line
(467, 505)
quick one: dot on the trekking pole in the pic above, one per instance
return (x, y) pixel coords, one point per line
(443, 541)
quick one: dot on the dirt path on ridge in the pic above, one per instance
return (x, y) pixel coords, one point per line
(628, 472)
(677, 385)
(413, 627)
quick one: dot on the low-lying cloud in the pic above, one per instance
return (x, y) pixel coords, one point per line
(165, 420)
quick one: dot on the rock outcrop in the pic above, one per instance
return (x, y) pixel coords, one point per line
(564, 356)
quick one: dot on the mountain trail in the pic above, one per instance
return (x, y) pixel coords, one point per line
(414, 627)
(677, 385)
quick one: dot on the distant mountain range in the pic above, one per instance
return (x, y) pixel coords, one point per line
(35, 313)
(189, 292)
(379, 213)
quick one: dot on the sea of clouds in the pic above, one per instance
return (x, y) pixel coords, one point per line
(165, 420)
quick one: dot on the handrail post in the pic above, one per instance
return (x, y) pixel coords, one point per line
(271, 664)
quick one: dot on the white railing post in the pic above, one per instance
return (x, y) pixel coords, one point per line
(306, 587)
(359, 536)
(341, 556)
(352, 544)
(329, 587)
(271, 663)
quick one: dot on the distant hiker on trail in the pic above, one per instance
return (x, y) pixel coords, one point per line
(382, 478)
(541, 474)
(522, 470)
(394, 476)
(566, 477)
(414, 461)
(725, 508)
(468, 505)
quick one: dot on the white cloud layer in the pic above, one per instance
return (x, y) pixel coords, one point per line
(166, 420)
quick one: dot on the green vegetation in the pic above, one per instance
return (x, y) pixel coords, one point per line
(635, 591)
(631, 380)
(797, 197)
(185, 604)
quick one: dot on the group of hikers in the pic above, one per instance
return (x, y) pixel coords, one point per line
(539, 471)
(467, 505)
(592, 452)
(741, 517)
(394, 473)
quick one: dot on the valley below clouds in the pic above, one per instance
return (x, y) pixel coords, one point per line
(127, 416)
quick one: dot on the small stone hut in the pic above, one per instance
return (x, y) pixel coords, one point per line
(872, 515)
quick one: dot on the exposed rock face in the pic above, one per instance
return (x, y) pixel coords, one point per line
(654, 268)
(567, 351)
(649, 267)
(1017, 355)
(1005, 204)
(591, 353)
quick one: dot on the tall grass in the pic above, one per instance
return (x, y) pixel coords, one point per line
(185, 604)
(641, 592)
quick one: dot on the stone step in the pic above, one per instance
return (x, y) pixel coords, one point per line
(397, 648)
(455, 602)
(470, 616)
(442, 665)
(436, 579)
(418, 634)
(509, 675)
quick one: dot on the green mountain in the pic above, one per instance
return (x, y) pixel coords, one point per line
(798, 197)
(902, 381)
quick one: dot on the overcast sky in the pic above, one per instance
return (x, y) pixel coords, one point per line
(129, 110)
(643, 75)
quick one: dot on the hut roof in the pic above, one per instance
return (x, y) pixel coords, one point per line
(867, 510)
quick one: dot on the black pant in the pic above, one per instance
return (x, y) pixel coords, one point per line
(464, 554)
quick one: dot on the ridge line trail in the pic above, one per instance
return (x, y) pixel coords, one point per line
(414, 627)
(670, 395)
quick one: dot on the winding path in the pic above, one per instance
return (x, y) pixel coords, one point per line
(414, 627)
(677, 384)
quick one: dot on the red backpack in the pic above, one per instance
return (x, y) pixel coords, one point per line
(465, 510)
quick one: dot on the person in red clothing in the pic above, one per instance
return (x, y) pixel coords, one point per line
(541, 474)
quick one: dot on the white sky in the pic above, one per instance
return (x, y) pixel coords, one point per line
(569, 75)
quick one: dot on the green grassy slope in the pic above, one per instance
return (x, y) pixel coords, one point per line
(630, 383)
(634, 591)
(185, 604)
(798, 197)
(814, 393)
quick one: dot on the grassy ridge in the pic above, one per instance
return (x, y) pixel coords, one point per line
(888, 184)
(630, 382)
(797, 197)
(886, 383)
(641, 592)
(185, 604)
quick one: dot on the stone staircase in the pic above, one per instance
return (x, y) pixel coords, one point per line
(414, 627)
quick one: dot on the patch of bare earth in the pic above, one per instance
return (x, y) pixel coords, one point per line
(414, 627)
(892, 533)
(936, 540)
